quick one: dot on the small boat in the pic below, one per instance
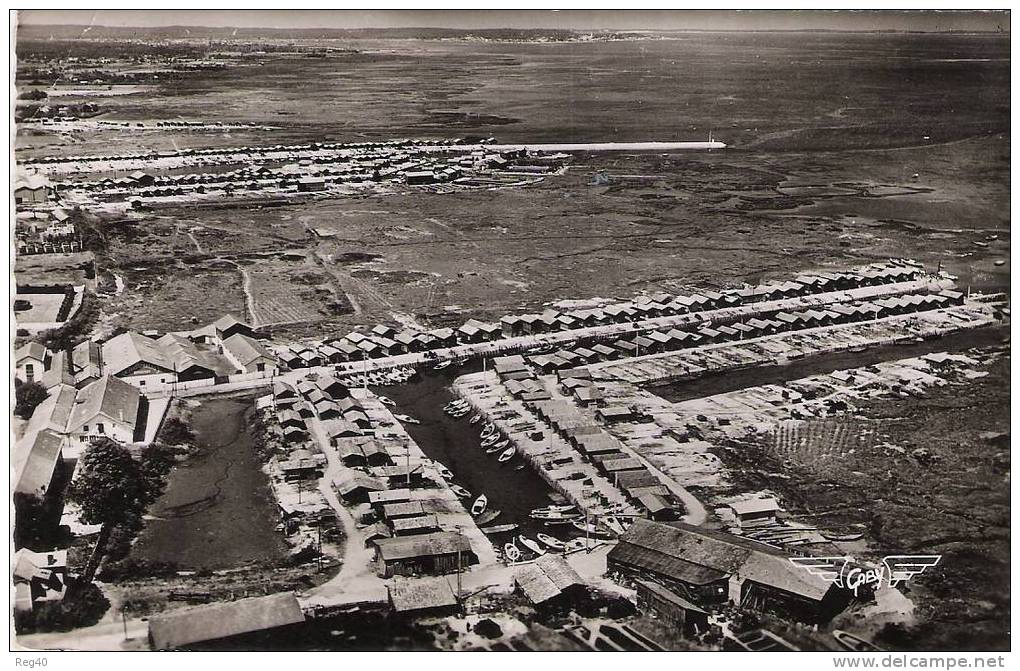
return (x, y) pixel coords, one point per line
(385, 400)
(441, 365)
(457, 414)
(554, 544)
(498, 529)
(854, 643)
(455, 404)
(531, 545)
(507, 455)
(520, 466)
(443, 471)
(613, 524)
(491, 440)
(842, 538)
(512, 552)
(475, 419)
(498, 447)
(407, 419)
(460, 492)
(488, 429)
(488, 516)
(589, 528)
(478, 507)
(553, 509)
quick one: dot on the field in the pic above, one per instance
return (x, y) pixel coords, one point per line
(925, 475)
(823, 168)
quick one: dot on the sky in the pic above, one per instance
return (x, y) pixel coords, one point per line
(921, 20)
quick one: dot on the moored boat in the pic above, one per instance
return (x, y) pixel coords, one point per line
(441, 365)
(531, 545)
(590, 529)
(497, 447)
(498, 529)
(460, 492)
(488, 516)
(475, 419)
(842, 538)
(507, 455)
(854, 643)
(385, 400)
(511, 552)
(407, 419)
(554, 544)
(443, 471)
(478, 507)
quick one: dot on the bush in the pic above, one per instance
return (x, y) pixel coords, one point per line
(76, 330)
(83, 609)
(131, 569)
(177, 432)
(28, 395)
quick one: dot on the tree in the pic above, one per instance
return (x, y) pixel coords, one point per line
(112, 490)
(28, 395)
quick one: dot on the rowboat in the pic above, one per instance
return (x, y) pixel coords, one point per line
(531, 545)
(498, 529)
(460, 492)
(457, 403)
(842, 538)
(501, 445)
(554, 544)
(553, 509)
(488, 429)
(589, 528)
(512, 552)
(443, 471)
(475, 419)
(520, 466)
(854, 643)
(478, 507)
(613, 524)
(407, 419)
(507, 455)
(488, 516)
(385, 400)
(457, 414)
(441, 365)
(491, 440)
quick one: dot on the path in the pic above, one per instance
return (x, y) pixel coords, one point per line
(249, 299)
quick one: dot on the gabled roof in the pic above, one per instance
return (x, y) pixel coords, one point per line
(109, 396)
(220, 620)
(426, 545)
(127, 349)
(32, 350)
(36, 460)
(227, 321)
(245, 349)
(421, 594)
(546, 578)
(700, 556)
(184, 354)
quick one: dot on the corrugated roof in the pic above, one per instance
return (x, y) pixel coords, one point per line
(439, 543)
(546, 578)
(695, 555)
(219, 620)
(669, 595)
(421, 594)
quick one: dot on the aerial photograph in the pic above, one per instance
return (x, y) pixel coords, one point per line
(510, 330)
